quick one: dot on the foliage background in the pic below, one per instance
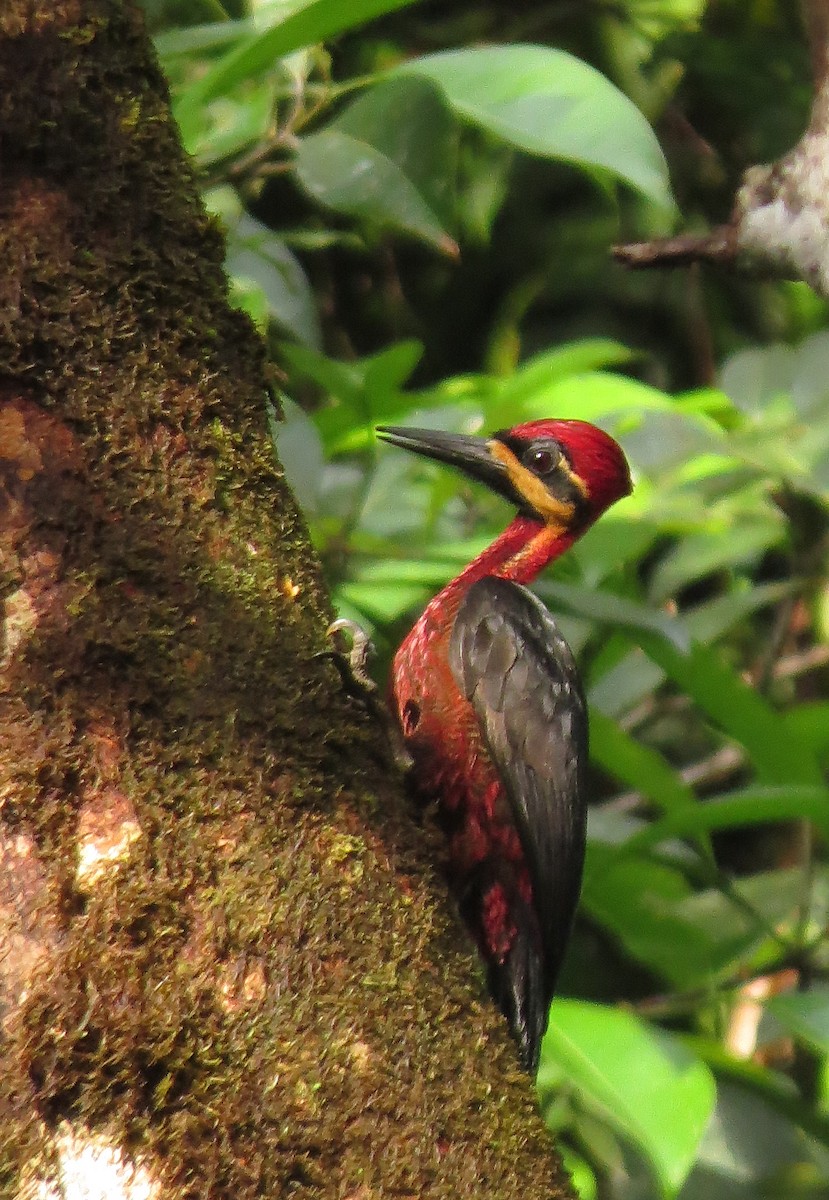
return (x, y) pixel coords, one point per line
(424, 238)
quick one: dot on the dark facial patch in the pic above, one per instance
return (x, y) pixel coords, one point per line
(549, 462)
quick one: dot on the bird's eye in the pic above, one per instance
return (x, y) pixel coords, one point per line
(540, 459)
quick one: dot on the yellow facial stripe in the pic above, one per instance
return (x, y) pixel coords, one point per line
(528, 485)
(535, 548)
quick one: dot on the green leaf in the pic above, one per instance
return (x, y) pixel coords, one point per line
(629, 681)
(425, 573)
(805, 1014)
(646, 1083)
(408, 121)
(231, 127)
(776, 1090)
(599, 396)
(747, 921)
(360, 393)
(701, 554)
(195, 39)
(780, 379)
(581, 1173)
(636, 765)
(740, 711)
(749, 806)
(382, 602)
(549, 103)
(689, 938)
(620, 537)
(351, 176)
(300, 453)
(810, 723)
(256, 254)
(315, 22)
(758, 377)
(246, 295)
(190, 40)
(637, 901)
(615, 610)
(751, 1150)
(535, 376)
(810, 386)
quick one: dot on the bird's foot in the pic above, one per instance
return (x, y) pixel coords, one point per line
(351, 662)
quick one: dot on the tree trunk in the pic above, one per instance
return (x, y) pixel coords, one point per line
(226, 966)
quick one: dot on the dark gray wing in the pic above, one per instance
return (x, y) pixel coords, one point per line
(515, 668)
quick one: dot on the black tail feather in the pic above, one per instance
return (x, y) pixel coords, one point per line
(518, 986)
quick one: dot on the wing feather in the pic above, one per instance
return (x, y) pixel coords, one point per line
(511, 662)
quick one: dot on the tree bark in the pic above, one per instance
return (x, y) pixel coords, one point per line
(226, 964)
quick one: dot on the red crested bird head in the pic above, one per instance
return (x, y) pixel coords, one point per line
(594, 462)
(561, 473)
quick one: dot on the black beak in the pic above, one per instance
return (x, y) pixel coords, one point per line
(472, 455)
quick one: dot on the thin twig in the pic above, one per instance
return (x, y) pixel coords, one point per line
(717, 246)
(762, 673)
(801, 662)
(667, 1005)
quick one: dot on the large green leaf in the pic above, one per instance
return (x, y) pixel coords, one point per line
(529, 383)
(547, 102)
(638, 901)
(689, 938)
(615, 610)
(810, 723)
(389, 159)
(779, 378)
(409, 122)
(360, 393)
(752, 1151)
(352, 177)
(702, 554)
(643, 1081)
(752, 920)
(300, 453)
(231, 127)
(195, 39)
(382, 602)
(587, 395)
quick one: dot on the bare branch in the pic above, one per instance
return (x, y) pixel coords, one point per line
(717, 246)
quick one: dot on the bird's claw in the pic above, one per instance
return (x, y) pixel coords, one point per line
(351, 660)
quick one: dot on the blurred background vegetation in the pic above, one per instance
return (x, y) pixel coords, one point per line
(419, 201)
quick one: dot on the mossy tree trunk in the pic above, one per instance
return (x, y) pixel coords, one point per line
(226, 967)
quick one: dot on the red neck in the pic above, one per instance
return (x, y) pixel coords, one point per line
(523, 549)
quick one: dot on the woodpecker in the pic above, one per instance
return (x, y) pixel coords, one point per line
(491, 709)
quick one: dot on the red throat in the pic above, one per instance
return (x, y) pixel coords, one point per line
(524, 549)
